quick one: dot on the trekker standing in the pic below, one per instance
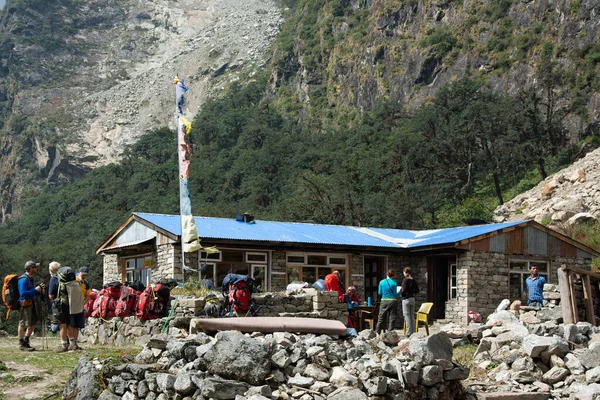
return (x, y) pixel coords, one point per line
(77, 321)
(535, 288)
(27, 292)
(408, 290)
(52, 289)
(388, 309)
(59, 310)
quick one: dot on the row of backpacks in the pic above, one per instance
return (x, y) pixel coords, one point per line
(129, 299)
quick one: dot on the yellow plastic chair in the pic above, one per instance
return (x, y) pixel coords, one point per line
(422, 314)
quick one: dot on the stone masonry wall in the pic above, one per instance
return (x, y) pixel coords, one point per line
(357, 275)
(112, 272)
(309, 303)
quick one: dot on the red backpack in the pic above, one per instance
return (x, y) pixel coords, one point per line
(149, 305)
(107, 305)
(239, 296)
(126, 305)
(88, 307)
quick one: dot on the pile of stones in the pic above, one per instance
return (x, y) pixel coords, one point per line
(281, 365)
(527, 351)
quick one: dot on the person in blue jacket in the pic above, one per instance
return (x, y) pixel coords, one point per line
(27, 292)
(388, 309)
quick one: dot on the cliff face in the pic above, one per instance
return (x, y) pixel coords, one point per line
(362, 51)
(79, 80)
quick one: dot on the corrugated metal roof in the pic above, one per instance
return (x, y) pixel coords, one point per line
(294, 232)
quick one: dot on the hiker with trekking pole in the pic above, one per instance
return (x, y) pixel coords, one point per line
(28, 292)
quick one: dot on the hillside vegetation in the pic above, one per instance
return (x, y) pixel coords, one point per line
(321, 136)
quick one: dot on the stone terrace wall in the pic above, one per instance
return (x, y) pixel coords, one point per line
(309, 303)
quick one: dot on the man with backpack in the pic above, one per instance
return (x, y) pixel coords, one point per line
(27, 292)
(77, 321)
(68, 299)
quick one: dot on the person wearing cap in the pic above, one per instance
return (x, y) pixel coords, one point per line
(27, 293)
(77, 321)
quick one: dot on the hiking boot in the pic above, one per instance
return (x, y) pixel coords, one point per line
(62, 349)
(74, 346)
(24, 346)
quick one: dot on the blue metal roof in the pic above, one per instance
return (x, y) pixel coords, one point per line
(294, 232)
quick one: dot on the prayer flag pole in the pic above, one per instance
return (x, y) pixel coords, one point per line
(189, 234)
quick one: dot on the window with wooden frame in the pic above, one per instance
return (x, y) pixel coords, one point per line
(308, 267)
(214, 267)
(518, 274)
(139, 268)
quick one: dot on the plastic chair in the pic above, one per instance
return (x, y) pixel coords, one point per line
(370, 317)
(422, 315)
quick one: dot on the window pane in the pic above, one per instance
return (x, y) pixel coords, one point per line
(309, 274)
(296, 259)
(322, 272)
(542, 267)
(213, 256)
(233, 256)
(256, 257)
(453, 281)
(337, 260)
(317, 260)
(453, 293)
(453, 269)
(139, 263)
(293, 274)
(518, 266)
(258, 274)
(131, 263)
(130, 276)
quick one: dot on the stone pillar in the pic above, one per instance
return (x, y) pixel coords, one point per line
(111, 268)
(278, 271)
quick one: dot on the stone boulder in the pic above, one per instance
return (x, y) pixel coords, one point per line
(235, 356)
(427, 350)
(82, 384)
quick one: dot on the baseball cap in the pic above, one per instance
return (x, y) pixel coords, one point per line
(30, 264)
(84, 270)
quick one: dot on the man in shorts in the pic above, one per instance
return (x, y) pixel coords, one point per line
(27, 292)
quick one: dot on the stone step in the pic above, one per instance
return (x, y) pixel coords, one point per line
(512, 396)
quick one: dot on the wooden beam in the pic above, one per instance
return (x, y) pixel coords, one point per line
(571, 276)
(581, 271)
(565, 297)
(587, 296)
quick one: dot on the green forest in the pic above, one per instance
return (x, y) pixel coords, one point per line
(256, 148)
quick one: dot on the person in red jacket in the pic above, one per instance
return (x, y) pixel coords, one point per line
(334, 284)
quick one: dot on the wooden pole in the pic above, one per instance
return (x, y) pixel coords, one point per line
(587, 296)
(565, 296)
(573, 298)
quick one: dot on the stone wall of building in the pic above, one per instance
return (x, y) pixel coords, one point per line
(357, 274)
(112, 270)
(308, 303)
(166, 258)
(278, 271)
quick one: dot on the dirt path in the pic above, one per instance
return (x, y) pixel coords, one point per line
(42, 374)
(34, 375)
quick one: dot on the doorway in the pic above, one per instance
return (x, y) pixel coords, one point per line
(437, 283)
(374, 272)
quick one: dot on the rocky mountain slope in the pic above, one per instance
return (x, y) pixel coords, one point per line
(73, 98)
(563, 199)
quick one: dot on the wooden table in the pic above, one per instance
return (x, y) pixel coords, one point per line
(361, 312)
